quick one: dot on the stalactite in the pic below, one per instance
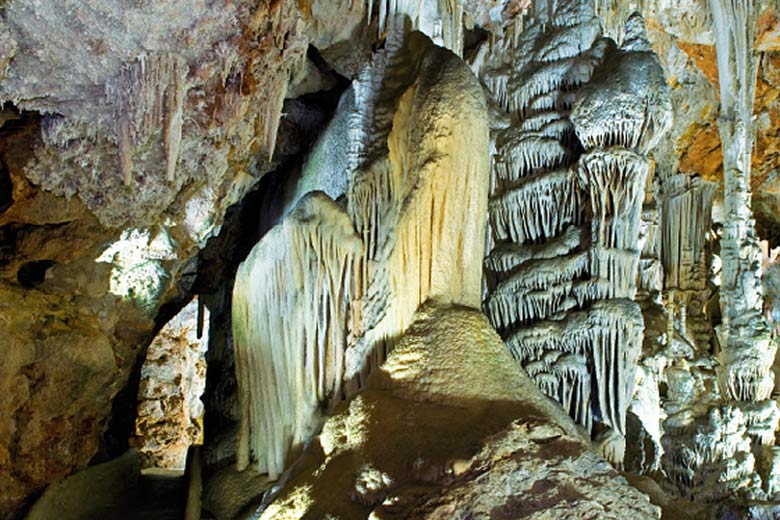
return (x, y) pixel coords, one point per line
(539, 208)
(146, 96)
(290, 329)
(441, 20)
(125, 150)
(686, 217)
(272, 116)
(600, 334)
(174, 121)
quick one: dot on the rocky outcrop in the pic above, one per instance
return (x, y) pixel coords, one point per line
(450, 425)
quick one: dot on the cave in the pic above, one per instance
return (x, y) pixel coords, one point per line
(408, 259)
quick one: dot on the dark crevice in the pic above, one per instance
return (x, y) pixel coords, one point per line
(121, 423)
(767, 228)
(6, 188)
(8, 239)
(33, 274)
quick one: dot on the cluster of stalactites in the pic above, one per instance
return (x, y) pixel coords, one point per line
(686, 216)
(147, 95)
(441, 185)
(538, 70)
(441, 20)
(627, 102)
(614, 179)
(565, 226)
(746, 373)
(696, 467)
(591, 343)
(536, 269)
(290, 329)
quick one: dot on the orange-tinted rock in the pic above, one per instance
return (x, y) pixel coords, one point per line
(703, 156)
(705, 59)
(768, 32)
(699, 144)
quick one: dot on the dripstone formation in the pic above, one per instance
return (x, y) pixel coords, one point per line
(578, 115)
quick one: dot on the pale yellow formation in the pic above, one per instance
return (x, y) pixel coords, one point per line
(324, 296)
(289, 311)
(451, 356)
(436, 179)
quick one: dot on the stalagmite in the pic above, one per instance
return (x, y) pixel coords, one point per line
(173, 377)
(290, 329)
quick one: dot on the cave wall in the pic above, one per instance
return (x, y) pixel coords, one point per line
(122, 151)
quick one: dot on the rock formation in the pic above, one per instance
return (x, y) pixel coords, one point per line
(433, 436)
(748, 351)
(173, 378)
(362, 272)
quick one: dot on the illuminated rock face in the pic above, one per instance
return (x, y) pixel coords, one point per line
(173, 377)
(569, 184)
(289, 329)
(343, 285)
